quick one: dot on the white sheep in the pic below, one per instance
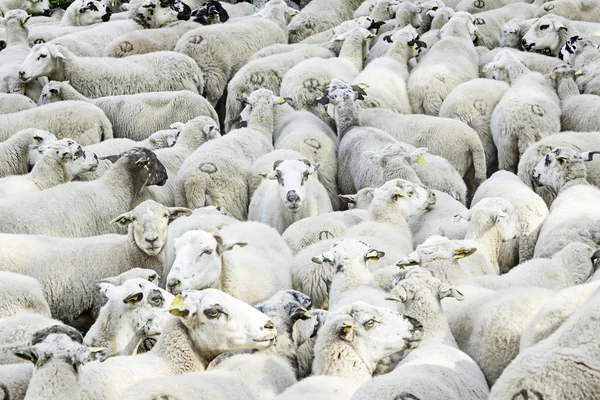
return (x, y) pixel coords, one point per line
(155, 14)
(240, 38)
(97, 77)
(252, 273)
(88, 206)
(478, 6)
(85, 12)
(14, 102)
(531, 212)
(528, 111)
(465, 151)
(321, 387)
(215, 174)
(295, 195)
(326, 36)
(60, 163)
(22, 150)
(513, 32)
(490, 23)
(320, 15)
(435, 76)
(572, 215)
(21, 294)
(136, 116)
(574, 10)
(111, 254)
(79, 121)
(583, 54)
(32, 7)
(473, 103)
(436, 368)
(534, 61)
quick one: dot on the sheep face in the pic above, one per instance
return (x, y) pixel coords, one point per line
(437, 253)
(14, 19)
(75, 160)
(163, 139)
(415, 282)
(219, 322)
(349, 251)
(146, 169)
(544, 36)
(37, 7)
(373, 332)
(41, 61)
(149, 222)
(91, 12)
(40, 140)
(551, 171)
(256, 99)
(285, 308)
(511, 34)
(499, 68)
(573, 47)
(402, 197)
(361, 200)
(292, 176)
(51, 93)
(211, 12)
(158, 13)
(142, 309)
(493, 212)
(415, 11)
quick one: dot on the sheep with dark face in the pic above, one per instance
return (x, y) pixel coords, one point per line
(211, 12)
(157, 13)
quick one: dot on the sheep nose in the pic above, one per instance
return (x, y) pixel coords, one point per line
(269, 325)
(172, 284)
(292, 196)
(151, 240)
(21, 74)
(417, 325)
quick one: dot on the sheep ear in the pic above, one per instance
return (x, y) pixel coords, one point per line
(347, 198)
(106, 285)
(324, 100)
(123, 219)
(559, 25)
(463, 252)
(398, 293)
(243, 100)
(449, 291)
(412, 259)
(27, 353)
(176, 212)
(589, 155)
(223, 246)
(133, 298)
(56, 53)
(271, 175)
(498, 217)
(153, 277)
(178, 308)
(374, 255)
(466, 215)
(321, 258)
(66, 155)
(346, 332)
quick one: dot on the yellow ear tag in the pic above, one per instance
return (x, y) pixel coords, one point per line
(420, 159)
(415, 46)
(476, 31)
(579, 72)
(151, 278)
(292, 14)
(177, 301)
(552, 76)
(96, 349)
(25, 21)
(281, 100)
(122, 220)
(114, 3)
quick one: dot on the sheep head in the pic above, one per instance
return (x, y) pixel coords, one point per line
(560, 166)
(545, 36)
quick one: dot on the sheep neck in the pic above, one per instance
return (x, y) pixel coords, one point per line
(487, 236)
(261, 119)
(277, 15)
(61, 71)
(457, 30)
(346, 117)
(400, 52)
(177, 349)
(123, 176)
(586, 57)
(515, 71)
(352, 50)
(386, 213)
(109, 331)
(354, 275)
(566, 87)
(428, 311)
(403, 18)
(56, 376)
(68, 92)
(16, 34)
(573, 182)
(340, 359)
(48, 172)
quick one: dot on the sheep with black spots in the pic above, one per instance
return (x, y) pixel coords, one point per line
(583, 55)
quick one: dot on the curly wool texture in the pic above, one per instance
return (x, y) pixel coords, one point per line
(320, 15)
(13, 102)
(21, 293)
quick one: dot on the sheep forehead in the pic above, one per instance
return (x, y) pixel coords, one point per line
(149, 210)
(13, 14)
(435, 242)
(418, 277)
(59, 345)
(196, 239)
(289, 167)
(495, 202)
(350, 248)
(260, 94)
(137, 284)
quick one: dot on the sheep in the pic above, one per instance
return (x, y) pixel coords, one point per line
(21, 294)
(478, 6)
(528, 111)
(562, 366)
(14, 102)
(513, 32)
(305, 133)
(307, 81)
(155, 14)
(250, 33)
(87, 205)
(473, 103)
(465, 151)
(434, 77)
(324, 37)
(142, 246)
(22, 150)
(85, 12)
(490, 23)
(357, 336)
(202, 261)
(571, 266)
(437, 368)
(61, 163)
(15, 380)
(139, 305)
(148, 40)
(162, 71)
(550, 33)
(555, 312)
(135, 116)
(406, 13)
(211, 12)
(574, 10)
(321, 387)
(531, 212)
(583, 55)
(145, 273)
(32, 7)
(295, 195)
(266, 72)
(572, 216)
(80, 121)
(215, 173)
(320, 15)
(438, 221)
(390, 92)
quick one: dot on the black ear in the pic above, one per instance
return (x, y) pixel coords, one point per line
(388, 38)
(223, 14)
(82, 10)
(244, 101)
(321, 100)
(185, 14)
(376, 25)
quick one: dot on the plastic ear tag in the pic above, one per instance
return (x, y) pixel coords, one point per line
(420, 159)
(177, 301)
(579, 72)
(415, 46)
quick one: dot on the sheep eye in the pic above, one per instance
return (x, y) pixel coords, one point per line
(544, 27)
(42, 56)
(214, 312)
(209, 252)
(370, 323)
(396, 197)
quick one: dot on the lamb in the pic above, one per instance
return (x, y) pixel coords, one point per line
(211, 12)
(60, 164)
(215, 173)
(574, 10)
(550, 33)
(85, 12)
(473, 103)
(252, 273)
(437, 368)
(531, 212)
(465, 151)
(155, 14)
(21, 294)
(307, 81)
(14, 102)
(490, 23)
(251, 33)
(22, 150)
(140, 307)
(266, 72)
(295, 195)
(136, 116)
(563, 365)
(513, 32)
(534, 61)
(572, 217)
(80, 121)
(305, 133)
(110, 254)
(320, 15)
(434, 77)
(528, 111)
(357, 336)
(32, 7)
(583, 55)
(98, 77)
(79, 209)
(571, 266)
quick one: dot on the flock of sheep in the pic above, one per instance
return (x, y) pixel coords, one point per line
(296, 199)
